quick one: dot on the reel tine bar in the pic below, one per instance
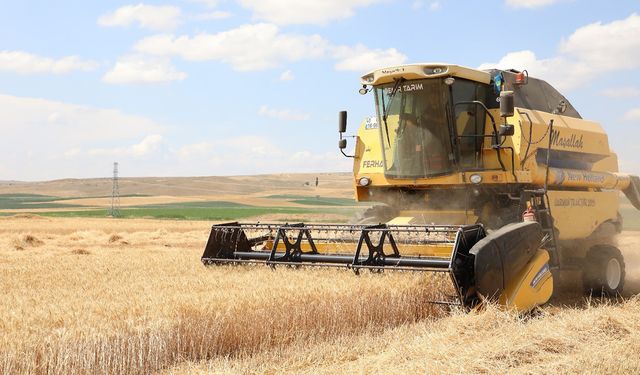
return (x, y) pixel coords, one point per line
(295, 244)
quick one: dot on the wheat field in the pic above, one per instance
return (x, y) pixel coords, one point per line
(131, 297)
(84, 296)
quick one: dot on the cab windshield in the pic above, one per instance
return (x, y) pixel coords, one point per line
(414, 128)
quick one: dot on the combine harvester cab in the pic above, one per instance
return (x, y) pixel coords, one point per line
(470, 261)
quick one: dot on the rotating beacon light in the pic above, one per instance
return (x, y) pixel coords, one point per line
(522, 78)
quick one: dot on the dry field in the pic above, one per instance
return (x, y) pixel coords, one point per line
(131, 297)
(282, 197)
(331, 184)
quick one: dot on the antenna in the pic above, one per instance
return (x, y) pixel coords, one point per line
(115, 193)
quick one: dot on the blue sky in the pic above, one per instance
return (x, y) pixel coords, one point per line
(206, 87)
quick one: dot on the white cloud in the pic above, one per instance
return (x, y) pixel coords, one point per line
(72, 152)
(69, 124)
(255, 146)
(419, 4)
(153, 17)
(589, 52)
(363, 59)
(194, 150)
(606, 47)
(246, 48)
(558, 71)
(206, 3)
(621, 92)
(142, 69)
(530, 4)
(632, 115)
(45, 139)
(254, 154)
(229, 153)
(308, 161)
(287, 75)
(28, 63)
(262, 46)
(285, 12)
(54, 118)
(146, 146)
(214, 15)
(282, 114)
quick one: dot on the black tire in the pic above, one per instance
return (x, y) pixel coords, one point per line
(604, 271)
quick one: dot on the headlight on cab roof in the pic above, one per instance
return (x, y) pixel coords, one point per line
(433, 70)
(368, 78)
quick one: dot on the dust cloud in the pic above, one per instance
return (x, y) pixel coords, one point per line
(629, 245)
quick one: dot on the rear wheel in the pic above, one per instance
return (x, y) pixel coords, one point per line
(604, 271)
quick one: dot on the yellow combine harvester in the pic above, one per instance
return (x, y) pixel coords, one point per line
(491, 177)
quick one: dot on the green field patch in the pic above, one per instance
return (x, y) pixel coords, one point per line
(198, 213)
(86, 213)
(325, 201)
(286, 196)
(316, 201)
(195, 204)
(29, 201)
(28, 197)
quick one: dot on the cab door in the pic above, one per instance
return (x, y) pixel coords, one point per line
(469, 122)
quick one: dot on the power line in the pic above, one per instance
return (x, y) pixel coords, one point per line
(115, 193)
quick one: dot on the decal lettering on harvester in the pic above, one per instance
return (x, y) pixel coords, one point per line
(372, 164)
(392, 70)
(543, 271)
(572, 142)
(577, 176)
(574, 202)
(407, 88)
(585, 176)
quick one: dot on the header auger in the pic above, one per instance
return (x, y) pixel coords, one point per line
(520, 187)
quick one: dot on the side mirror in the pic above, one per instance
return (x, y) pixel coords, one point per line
(506, 130)
(342, 127)
(342, 121)
(506, 104)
